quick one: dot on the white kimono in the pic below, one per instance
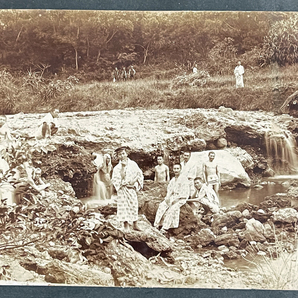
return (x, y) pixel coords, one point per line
(127, 201)
(168, 213)
(238, 72)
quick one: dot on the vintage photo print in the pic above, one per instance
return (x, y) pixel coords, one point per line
(149, 149)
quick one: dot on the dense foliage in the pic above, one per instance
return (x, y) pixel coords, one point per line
(96, 41)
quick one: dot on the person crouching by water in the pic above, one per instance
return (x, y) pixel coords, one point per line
(168, 212)
(205, 196)
(127, 178)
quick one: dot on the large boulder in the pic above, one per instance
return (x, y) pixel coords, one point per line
(227, 239)
(245, 158)
(228, 219)
(286, 215)
(204, 237)
(231, 170)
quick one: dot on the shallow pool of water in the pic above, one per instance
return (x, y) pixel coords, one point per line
(252, 195)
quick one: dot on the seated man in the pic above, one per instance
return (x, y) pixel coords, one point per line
(25, 177)
(48, 126)
(168, 212)
(204, 195)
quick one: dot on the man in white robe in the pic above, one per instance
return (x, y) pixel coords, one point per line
(204, 195)
(238, 72)
(168, 212)
(127, 178)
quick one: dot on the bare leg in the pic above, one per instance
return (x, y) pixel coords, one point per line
(135, 226)
(216, 188)
(126, 227)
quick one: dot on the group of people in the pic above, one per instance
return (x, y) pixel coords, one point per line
(22, 175)
(124, 74)
(186, 187)
(200, 192)
(238, 72)
(126, 179)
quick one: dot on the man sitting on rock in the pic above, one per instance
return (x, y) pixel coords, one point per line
(25, 177)
(48, 126)
(205, 196)
(168, 212)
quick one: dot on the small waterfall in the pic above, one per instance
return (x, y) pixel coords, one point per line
(280, 146)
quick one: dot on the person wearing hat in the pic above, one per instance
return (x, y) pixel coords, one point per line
(127, 178)
(48, 125)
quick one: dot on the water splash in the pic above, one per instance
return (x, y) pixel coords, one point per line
(280, 146)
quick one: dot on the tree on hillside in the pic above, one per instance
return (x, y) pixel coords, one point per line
(281, 43)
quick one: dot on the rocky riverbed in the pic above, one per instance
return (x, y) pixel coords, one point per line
(58, 233)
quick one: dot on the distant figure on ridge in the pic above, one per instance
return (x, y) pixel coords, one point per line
(131, 73)
(161, 171)
(195, 69)
(123, 74)
(210, 173)
(238, 72)
(115, 74)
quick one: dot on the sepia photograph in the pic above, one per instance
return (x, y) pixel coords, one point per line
(149, 149)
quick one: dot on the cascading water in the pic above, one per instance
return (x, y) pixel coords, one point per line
(280, 146)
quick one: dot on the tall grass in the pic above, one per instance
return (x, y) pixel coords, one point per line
(264, 89)
(278, 268)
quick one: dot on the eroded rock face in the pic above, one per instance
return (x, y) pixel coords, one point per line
(245, 135)
(69, 162)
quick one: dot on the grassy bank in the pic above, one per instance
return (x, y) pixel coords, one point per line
(264, 89)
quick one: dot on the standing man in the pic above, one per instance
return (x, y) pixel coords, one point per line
(195, 69)
(127, 178)
(162, 173)
(210, 173)
(188, 170)
(131, 73)
(238, 72)
(186, 157)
